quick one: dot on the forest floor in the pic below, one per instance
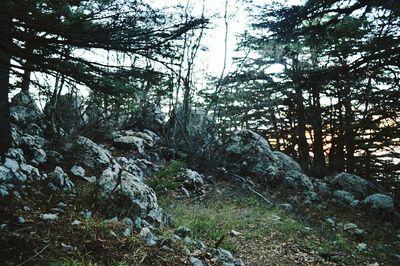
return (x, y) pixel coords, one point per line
(262, 234)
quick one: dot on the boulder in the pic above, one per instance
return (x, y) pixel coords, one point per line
(286, 163)
(60, 180)
(77, 170)
(90, 155)
(356, 185)
(191, 180)
(378, 202)
(297, 181)
(343, 197)
(250, 154)
(24, 110)
(128, 139)
(6, 174)
(128, 196)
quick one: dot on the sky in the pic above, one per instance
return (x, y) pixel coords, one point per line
(213, 58)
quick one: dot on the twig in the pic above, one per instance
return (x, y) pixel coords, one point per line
(37, 254)
(246, 185)
(219, 242)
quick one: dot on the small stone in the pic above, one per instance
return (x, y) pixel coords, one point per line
(349, 226)
(195, 261)
(188, 241)
(49, 217)
(78, 171)
(3, 226)
(182, 231)
(186, 251)
(26, 208)
(56, 210)
(330, 221)
(176, 238)
(127, 221)
(146, 235)
(235, 233)
(361, 246)
(185, 192)
(76, 222)
(68, 248)
(90, 179)
(127, 232)
(21, 220)
(61, 205)
(113, 234)
(86, 214)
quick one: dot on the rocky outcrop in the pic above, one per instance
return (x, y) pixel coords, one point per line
(297, 181)
(378, 203)
(250, 154)
(126, 195)
(89, 154)
(286, 163)
(356, 185)
(24, 110)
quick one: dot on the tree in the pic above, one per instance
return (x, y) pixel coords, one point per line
(39, 35)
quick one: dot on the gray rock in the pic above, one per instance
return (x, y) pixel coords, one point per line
(86, 214)
(4, 191)
(192, 180)
(78, 171)
(16, 154)
(68, 248)
(31, 142)
(30, 171)
(195, 261)
(6, 174)
(343, 197)
(129, 196)
(127, 232)
(39, 155)
(49, 217)
(310, 197)
(182, 231)
(356, 185)
(188, 241)
(127, 221)
(286, 163)
(60, 180)
(90, 155)
(24, 109)
(129, 142)
(11, 164)
(322, 187)
(176, 238)
(34, 130)
(147, 236)
(222, 255)
(349, 226)
(298, 181)
(21, 220)
(248, 152)
(379, 202)
(330, 221)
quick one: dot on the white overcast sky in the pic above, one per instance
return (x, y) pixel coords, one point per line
(213, 58)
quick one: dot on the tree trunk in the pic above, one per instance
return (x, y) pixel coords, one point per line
(26, 78)
(5, 65)
(349, 131)
(301, 130)
(318, 145)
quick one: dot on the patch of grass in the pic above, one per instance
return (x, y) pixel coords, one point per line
(215, 217)
(173, 169)
(164, 179)
(71, 262)
(160, 184)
